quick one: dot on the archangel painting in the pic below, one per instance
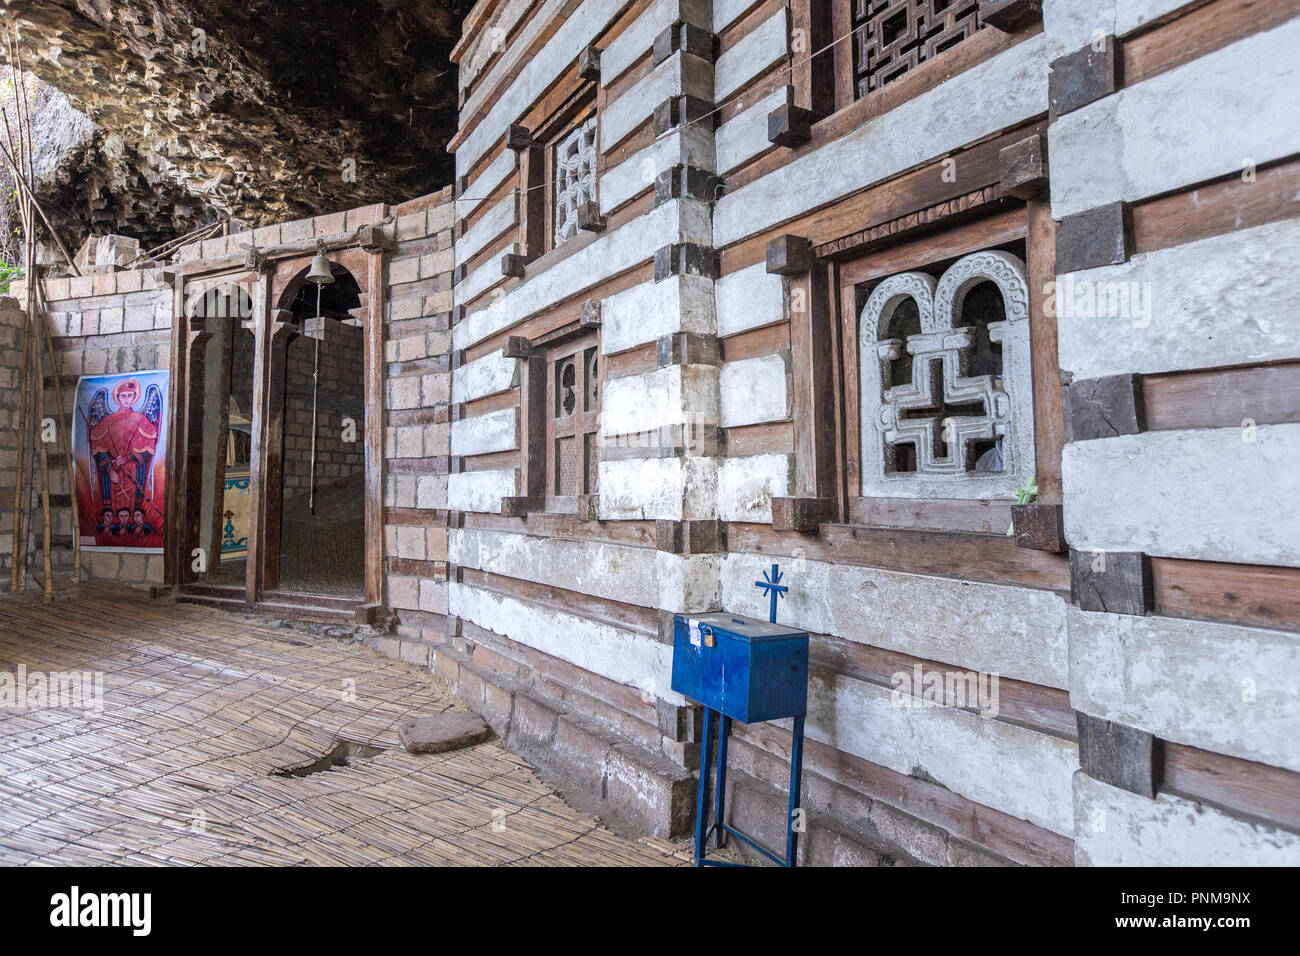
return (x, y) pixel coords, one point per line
(119, 439)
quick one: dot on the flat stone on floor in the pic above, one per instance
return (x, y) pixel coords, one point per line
(432, 735)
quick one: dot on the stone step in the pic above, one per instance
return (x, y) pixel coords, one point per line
(596, 768)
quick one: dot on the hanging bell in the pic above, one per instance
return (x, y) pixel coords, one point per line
(320, 272)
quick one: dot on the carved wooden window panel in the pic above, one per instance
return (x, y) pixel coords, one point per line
(940, 360)
(573, 388)
(574, 178)
(891, 37)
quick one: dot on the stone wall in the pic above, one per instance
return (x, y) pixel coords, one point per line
(101, 323)
(340, 409)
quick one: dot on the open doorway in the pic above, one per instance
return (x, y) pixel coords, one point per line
(322, 521)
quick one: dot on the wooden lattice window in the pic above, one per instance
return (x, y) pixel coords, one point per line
(574, 180)
(891, 37)
(573, 422)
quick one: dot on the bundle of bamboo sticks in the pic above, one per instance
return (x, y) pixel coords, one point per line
(38, 352)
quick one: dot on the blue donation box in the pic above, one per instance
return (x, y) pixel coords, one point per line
(750, 671)
(745, 669)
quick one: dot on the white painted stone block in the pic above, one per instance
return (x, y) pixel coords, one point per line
(495, 431)
(1017, 633)
(680, 74)
(1009, 768)
(1229, 689)
(995, 95)
(644, 312)
(493, 223)
(725, 12)
(1231, 299)
(746, 486)
(1208, 494)
(673, 395)
(754, 390)
(677, 489)
(744, 136)
(748, 298)
(1070, 25)
(481, 490)
(688, 145)
(486, 375)
(616, 653)
(759, 49)
(1113, 827)
(481, 279)
(1190, 124)
(682, 220)
(482, 186)
(639, 38)
(634, 575)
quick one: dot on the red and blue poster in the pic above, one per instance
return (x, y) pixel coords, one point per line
(119, 439)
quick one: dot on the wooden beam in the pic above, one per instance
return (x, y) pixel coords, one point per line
(1105, 407)
(1121, 756)
(1084, 76)
(1039, 527)
(1102, 236)
(1117, 582)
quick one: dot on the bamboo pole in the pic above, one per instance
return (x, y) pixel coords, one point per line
(64, 433)
(47, 584)
(16, 581)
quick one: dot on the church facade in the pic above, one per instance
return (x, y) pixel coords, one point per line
(978, 320)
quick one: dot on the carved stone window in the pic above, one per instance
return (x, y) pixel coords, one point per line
(574, 177)
(946, 388)
(573, 424)
(891, 37)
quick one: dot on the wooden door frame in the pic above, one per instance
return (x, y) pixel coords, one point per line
(275, 282)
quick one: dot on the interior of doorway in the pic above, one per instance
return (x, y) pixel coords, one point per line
(322, 536)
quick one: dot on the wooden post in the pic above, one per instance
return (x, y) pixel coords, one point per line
(374, 428)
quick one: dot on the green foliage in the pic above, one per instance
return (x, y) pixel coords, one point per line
(8, 273)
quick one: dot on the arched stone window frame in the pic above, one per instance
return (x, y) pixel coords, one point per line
(939, 304)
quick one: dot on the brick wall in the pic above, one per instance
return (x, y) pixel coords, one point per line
(340, 398)
(103, 323)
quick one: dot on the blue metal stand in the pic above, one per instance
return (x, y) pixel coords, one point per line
(719, 829)
(772, 586)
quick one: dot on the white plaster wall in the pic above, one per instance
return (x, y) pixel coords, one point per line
(690, 145)
(481, 490)
(754, 390)
(486, 375)
(494, 222)
(995, 95)
(1113, 827)
(671, 395)
(682, 220)
(725, 12)
(577, 30)
(681, 73)
(1192, 123)
(616, 653)
(748, 298)
(1070, 24)
(482, 186)
(751, 56)
(1015, 632)
(744, 136)
(1230, 299)
(633, 575)
(639, 38)
(1229, 689)
(485, 277)
(746, 486)
(1207, 494)
(482, 434)
(1018, 771)
(644, 312)
(676, 489)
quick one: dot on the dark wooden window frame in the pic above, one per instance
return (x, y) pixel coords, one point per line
(825, 83)
(1007, 222)
(537, 415)
(537, 170)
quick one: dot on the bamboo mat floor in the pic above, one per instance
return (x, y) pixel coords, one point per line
(203, 713)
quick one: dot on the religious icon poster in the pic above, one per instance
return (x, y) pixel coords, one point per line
(119, 442)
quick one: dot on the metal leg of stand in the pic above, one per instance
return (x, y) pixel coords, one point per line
(719, 833)
(796, 780)
(702, 797)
